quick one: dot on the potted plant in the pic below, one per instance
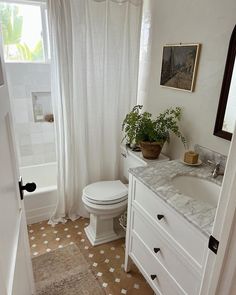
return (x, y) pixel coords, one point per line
(151, 134)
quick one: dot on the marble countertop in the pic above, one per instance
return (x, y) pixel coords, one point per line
(157, 177)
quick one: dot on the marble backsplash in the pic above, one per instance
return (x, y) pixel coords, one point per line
(206, 154)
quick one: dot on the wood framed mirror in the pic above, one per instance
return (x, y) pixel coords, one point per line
(226, 114)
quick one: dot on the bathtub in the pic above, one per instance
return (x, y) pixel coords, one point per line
(40, 204)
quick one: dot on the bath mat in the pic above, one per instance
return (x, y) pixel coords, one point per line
(64, 272)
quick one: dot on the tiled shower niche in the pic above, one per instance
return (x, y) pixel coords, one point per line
(42, 107)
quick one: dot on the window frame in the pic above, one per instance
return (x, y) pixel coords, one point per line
(45, 32)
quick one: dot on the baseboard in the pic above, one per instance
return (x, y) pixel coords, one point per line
(39, 214)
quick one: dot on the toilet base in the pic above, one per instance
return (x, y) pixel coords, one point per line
(101, 230)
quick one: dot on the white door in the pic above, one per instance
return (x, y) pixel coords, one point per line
(222, 229)
(16, 276)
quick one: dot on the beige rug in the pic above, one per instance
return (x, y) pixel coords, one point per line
(64, 272)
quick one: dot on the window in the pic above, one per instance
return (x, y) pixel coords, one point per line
(25, 32)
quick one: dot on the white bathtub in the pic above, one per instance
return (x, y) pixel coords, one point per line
(40, 204)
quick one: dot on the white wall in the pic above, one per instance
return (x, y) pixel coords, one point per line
(35, 140)
(207, 22)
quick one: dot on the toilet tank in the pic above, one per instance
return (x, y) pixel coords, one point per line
(131, 159)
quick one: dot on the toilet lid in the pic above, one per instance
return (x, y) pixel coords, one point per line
(106, 192)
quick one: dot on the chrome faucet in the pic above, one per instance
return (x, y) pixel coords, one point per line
(216, 169)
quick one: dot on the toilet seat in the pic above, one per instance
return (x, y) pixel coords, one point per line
(105, 192)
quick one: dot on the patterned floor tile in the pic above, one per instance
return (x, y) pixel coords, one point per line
(107, 260)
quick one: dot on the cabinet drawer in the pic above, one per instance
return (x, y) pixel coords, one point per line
(174, 262)
(173, 224)
(162, 284)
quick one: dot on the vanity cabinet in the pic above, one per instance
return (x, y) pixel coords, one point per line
(169, 251)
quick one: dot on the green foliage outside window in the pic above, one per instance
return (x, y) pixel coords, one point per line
(12, 25)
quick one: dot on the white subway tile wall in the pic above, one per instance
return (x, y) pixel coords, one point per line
(35, 140)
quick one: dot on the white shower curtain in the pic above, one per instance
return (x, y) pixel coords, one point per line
(95, 53)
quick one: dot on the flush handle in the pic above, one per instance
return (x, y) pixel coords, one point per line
(160, 216)
(153, 277)
(29, 187)
(156, 250)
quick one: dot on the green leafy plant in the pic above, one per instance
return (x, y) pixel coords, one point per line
(35, 54)
(12, 24)
(139, 126)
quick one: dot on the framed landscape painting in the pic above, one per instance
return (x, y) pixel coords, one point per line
(179, 63)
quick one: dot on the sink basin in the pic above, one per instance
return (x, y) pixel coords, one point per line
(197, 188)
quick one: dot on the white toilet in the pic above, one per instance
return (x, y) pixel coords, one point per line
(106, 200)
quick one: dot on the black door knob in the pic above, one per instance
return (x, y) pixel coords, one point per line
(29, 187)
(160, 216)
(156, 250)
(153, 277)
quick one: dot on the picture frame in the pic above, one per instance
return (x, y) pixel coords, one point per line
(179, 66)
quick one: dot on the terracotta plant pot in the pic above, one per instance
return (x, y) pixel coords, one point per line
(151, 150)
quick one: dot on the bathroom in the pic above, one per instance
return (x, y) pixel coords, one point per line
(48, 149)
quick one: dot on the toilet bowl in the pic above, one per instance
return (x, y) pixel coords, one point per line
(104, 200)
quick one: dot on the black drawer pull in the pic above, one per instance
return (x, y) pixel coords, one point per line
(160, 216)
(156, 250)
(153, 277)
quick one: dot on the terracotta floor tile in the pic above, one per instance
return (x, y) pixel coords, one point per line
(106, 260)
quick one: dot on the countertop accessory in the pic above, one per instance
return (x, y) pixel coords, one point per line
(191, 157)
(199, 162)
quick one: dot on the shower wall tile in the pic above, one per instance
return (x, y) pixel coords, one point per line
(22, 129)
(35, 140)
(48, 137)
(38, 149)
(20, 116)
(50, 157)
(49, 147)
(36, 127)
(26, 150)
(18, 92)
(27, 160)
(25, 139)
(38, 159)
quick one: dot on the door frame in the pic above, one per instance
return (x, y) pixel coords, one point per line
(222, 227)
(227, 283)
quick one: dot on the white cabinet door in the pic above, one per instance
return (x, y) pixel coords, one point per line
(16, 277)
